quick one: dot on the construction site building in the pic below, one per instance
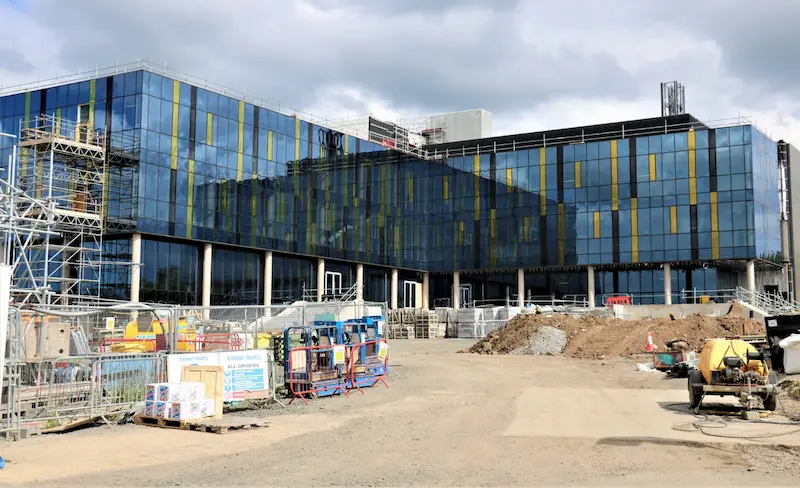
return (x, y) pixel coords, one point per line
(210, 197)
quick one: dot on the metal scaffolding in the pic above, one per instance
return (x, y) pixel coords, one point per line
(52, 211)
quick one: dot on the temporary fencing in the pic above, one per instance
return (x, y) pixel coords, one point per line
(105, 355)
(54, 392)
(331, 369)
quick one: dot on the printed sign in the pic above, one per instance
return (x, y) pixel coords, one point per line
(245, 371)
(110, 323)
(338, 354)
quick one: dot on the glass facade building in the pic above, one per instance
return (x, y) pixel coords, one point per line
(189, 166)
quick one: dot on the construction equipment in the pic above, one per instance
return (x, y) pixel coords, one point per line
(367, 363)
(733, 367)
(314, 364)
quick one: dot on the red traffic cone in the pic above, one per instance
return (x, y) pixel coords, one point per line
(650, 346)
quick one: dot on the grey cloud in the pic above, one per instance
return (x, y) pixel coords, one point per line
(15, 61)
(424, 56)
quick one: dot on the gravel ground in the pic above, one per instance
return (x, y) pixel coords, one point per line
(545, 341)
(447, 420)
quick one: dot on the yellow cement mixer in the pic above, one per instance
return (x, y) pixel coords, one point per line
(733, 367)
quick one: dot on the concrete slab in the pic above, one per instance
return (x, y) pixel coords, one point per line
(625, 415)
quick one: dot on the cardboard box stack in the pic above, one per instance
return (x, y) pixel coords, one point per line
(178, 401)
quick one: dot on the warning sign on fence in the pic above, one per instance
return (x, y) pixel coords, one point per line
(246, 372)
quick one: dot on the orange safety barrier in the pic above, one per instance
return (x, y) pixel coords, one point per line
(370, 370)
(317, 370)
(214, 342)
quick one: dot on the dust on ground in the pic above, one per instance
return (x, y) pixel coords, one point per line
(590, 337)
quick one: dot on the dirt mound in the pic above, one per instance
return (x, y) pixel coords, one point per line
(591, 337)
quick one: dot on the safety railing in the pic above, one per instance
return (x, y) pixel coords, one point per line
(326, 370)
(55, 392)
(317, 371)
(771, 304)
(369, 364)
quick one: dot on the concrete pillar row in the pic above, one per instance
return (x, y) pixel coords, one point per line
(393, 289)
(136, 269)
(205, 295)
(751, 276)
(456, 290)
(268, 278)
(425, 291)
(320, 279)
(667, 284)
(521, 288)
(590, 285)
(359, 282)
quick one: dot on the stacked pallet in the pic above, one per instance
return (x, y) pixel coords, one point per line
(427, 325)
(397, 327)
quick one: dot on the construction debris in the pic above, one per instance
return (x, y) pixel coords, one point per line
(546, 341)
(591, 337)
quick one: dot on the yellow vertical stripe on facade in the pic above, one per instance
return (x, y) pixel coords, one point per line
(92, 100)
(673, 219)
(614, 177)
(714, 225)
(446, 189)
(476, 169)
(542, 182)
(209, 129)
(461, 233)
(190, 200)
(561, 237)
(269, 146)
(176, 98)
(652, 167)
(635, 230)
(510, 179)
(409, 186)
(526, 228)
(240, 144)
(692, 169)
(578, 181)
(596, 216)
(296, 139)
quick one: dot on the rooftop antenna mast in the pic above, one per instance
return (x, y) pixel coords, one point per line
(673, 100)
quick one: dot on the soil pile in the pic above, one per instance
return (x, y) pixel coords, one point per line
(591, 337)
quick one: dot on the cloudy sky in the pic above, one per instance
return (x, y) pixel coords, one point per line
(533, 64)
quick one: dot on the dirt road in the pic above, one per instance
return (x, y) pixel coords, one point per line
(449, 419)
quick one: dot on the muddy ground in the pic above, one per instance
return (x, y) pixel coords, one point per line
(590, 337)
(448, 420)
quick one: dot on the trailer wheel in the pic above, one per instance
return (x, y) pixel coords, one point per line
(770, 402)
(695, 396)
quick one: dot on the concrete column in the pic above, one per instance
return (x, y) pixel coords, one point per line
(136, 269)
(667, 284)
(751, 276)
(359, 282)
(268, 278)
(521, 288)
(590, 285)
(456, 290)
(320, 279)
(393, 289)
(206, 293)
(426, 291)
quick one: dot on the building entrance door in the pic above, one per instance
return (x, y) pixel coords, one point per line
(333, 283)
(410, 294)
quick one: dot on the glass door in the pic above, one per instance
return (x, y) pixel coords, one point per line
(465, 296)
(333, 284)
(410, 294)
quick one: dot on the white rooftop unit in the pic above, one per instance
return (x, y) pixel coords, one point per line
(462, 126)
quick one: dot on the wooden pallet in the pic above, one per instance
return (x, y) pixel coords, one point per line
(223, 426)
(216, 426)
(159, 422)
